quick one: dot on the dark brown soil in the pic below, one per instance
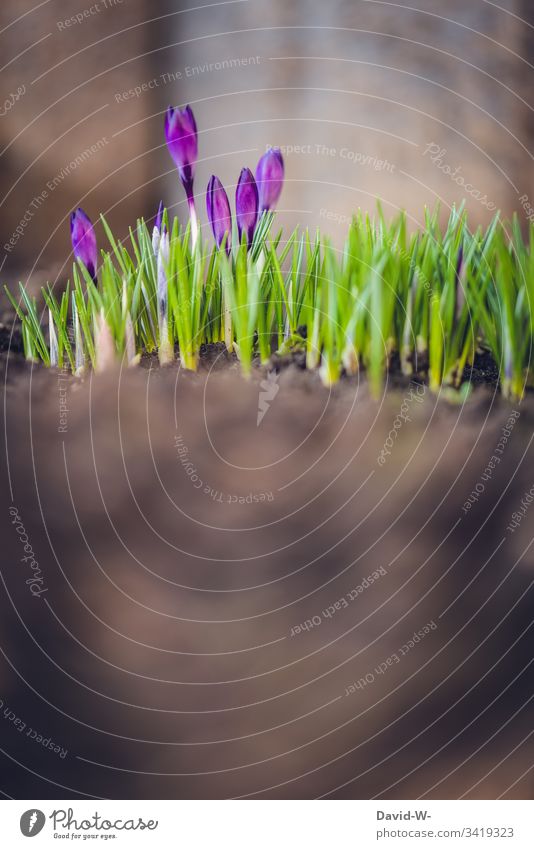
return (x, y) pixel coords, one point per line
(215, 357)
(10, 335)
(161, 655)
(172, 653)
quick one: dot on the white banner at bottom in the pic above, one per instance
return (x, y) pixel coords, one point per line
(264, 824)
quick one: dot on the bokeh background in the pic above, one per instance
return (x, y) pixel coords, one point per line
(161, 659)
(406, 103)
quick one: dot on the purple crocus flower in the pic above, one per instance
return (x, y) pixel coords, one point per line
(182, 140)
(246, 204)
(181, 136)
(270, 178)
(219, 214)
(84, 240)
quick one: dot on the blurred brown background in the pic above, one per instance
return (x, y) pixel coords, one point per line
(355, 91)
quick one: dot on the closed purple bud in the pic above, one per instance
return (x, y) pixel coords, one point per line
(246, 204)
(219, 214)
(181, 136)
(84, 240)
(156, 232)
(159, 216)
(270, 178)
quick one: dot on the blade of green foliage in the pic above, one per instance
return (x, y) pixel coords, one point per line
(430, 300)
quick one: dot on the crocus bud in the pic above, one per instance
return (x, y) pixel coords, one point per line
(182, 140)
(159, 216)
(219, 214)
(84, 240)
(104, 344)
(163, 259)
(270, 178)
(54, 353)
(79, 355)
(181, 137)
(165, 349)
(156, 232)
(246, 204)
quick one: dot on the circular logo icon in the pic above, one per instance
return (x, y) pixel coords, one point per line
(32, 822)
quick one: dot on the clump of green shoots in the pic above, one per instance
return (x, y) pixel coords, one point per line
(424, 302)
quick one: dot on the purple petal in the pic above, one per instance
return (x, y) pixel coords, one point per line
(182, 140)
(270, 178)
(219, 214)
(246, 204)
(84, 240)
